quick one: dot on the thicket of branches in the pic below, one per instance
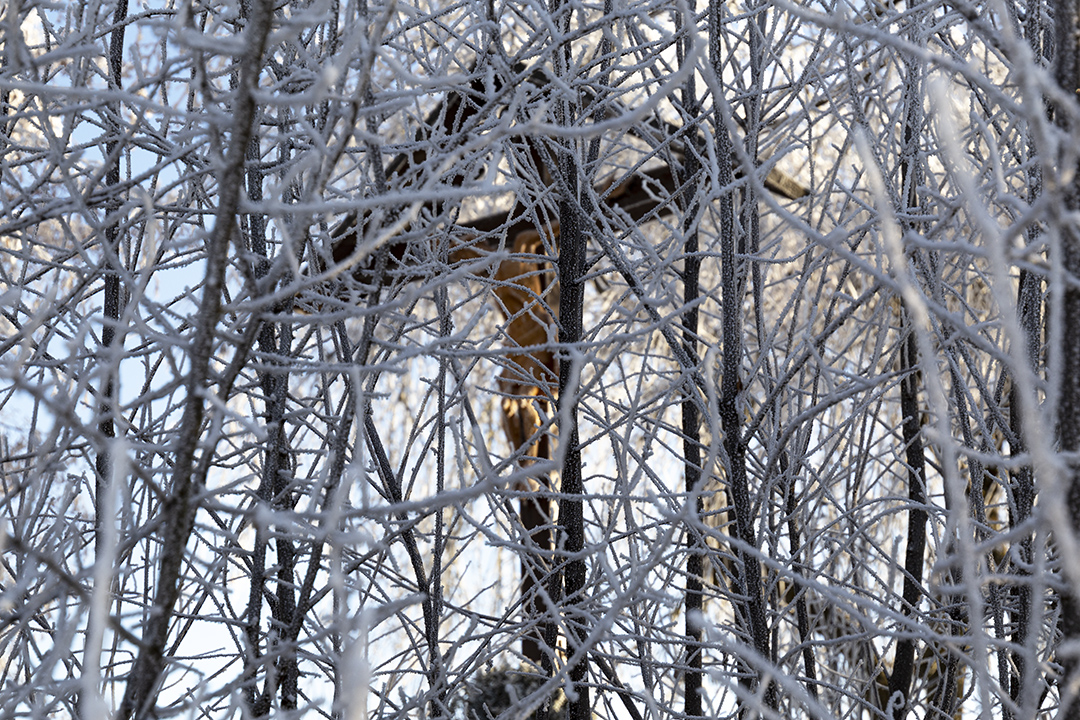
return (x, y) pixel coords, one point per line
(509, 359)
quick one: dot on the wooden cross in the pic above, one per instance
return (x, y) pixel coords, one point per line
(525, 288)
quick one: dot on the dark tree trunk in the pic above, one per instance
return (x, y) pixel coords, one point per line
(178, 510)
(733, 273)
(691, 417)
(111, 308)
(911, 428)
(1067, 73)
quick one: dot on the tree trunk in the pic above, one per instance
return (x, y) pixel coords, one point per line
(1067, 74)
